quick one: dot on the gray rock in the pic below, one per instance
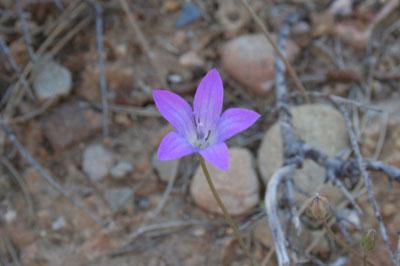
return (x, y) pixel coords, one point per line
(166, 170)
(121, 169)
(97, 162)
(321, 126)
(238, 187)
(51, 80)
(70, 124)
(119, 198)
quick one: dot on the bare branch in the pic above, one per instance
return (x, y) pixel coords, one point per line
(291, 200)
(391, 171)
(368, 184)
(296, 152)
(271, 207)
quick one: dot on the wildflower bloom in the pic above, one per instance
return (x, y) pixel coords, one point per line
(202, 129)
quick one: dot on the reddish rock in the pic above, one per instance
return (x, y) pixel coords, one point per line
(70, 124)
(238, 187)
(352, 35)
(250, 60)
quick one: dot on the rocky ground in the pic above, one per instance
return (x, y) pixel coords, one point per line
(162, 213)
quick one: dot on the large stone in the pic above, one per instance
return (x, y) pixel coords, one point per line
(97, 162)
(51, 80)
(250, 60)
(69, 124)
(238, 187)
(319, 125)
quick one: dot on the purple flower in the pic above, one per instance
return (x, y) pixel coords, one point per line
(202, 129)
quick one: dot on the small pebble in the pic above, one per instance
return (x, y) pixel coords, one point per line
(97, 162)
(142, 203)
(58, 224)
(189, 14)
(121, 169)
(51, 80)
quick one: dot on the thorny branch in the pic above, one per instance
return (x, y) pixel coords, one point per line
(297, 151)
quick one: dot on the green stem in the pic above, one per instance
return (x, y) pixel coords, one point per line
(227, 216)
(344, 245)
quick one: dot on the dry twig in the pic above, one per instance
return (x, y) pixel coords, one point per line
(368, 184)
(102, 74)
(296, 151)
(164, 198)
(272, 212)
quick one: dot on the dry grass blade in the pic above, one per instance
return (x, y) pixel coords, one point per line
(279, 53)
(102, 74)
(17, 94)
(21, 182)
(143, 41)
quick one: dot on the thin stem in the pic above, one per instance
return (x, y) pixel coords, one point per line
(227, 216)
(344, 245)
(364, 259)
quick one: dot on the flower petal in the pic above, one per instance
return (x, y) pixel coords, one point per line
(175, 110)
(235, 120)
(217, 155)
(208, 99)
(174, 146)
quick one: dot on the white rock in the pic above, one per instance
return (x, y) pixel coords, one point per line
(121, 169)
(58, 224)
(238, 187)
(10, 216)
(97, 162)
(321, 126)
(51, 80)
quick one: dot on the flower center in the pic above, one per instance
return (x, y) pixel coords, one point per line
(202, 133)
